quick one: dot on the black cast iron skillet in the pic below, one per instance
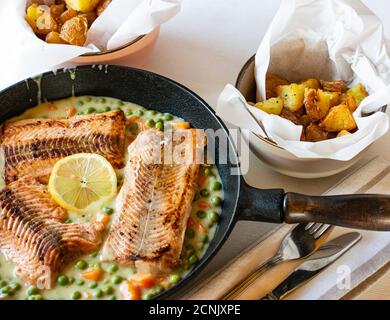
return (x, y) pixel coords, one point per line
(241, 202)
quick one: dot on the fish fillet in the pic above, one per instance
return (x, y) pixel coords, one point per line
(33, 235)
(155, 202)
(31, 147)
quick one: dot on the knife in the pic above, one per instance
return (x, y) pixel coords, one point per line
(323, 257)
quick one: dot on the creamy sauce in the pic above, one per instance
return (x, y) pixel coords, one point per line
(206, 210)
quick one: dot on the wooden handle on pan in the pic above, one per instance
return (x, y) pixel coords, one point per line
(365, 211)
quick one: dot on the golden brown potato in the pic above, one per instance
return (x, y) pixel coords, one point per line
(339, 118)
(272, 81)
(46, 23)
(74, 31)
(54, 37)
(67, 15)
(292, 96)
(91, 17)
(311, 83)
(359, 93)
(293, 117)
(271, 106)
(102, 6)
(33, 12)
(317, 103)
(82, 5)
(343, 133)
(57, 9)
(334, 86)
(313, 133)
(349, 101)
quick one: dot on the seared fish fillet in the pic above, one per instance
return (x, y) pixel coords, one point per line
(31, 147)
(155, 202)
(33, 235)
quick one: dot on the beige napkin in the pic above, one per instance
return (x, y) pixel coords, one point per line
(368, 256)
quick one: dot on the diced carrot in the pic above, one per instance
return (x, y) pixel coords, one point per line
(94, 275)
(143, 280)
(133, 291)
(202, 228)
(202, 181)
(203, 205)
(181, 125)
(191, 222)
(71, 111)
(103, 218)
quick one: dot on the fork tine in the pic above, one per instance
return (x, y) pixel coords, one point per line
(315, 228)
(309, 225)
(322, 231)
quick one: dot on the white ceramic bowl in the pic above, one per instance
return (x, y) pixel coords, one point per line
(277, 157)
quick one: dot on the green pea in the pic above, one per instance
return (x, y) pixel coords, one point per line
(108, 290)
(5, 290)
(190, 233)
(193, 259)
(98, 293)
(93, 255)
(81, 103)
(216, 201)
(32, 291)
(81, 265)
(121, 103)
(139, 112)
(116, 108)
(76, 295)
(213, 216)
(147, 296)
(15, 286)
(201, 214)
(116, 279)
(3, 283)
(160, 126)
(68, 221)
(112, 268)
(174, 279)
(186, 266)
(128, 113)
(216, 185)
(168, 117)
(106, 109)
(204, 193)
(204, 238)
(88, 99)
(152, 112)
(63, 280)
(158, 289)
(108, 210)
(80, 283)
(112, 298)
(93, 285)
(151, 123)
(208, 171)
(90, 110)
(102, 100)
(35, 297)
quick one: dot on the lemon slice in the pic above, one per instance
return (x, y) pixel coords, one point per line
(82, 182)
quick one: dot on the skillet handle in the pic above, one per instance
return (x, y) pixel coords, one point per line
(365, 211)
(260, 205)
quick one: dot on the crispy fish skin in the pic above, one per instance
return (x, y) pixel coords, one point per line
(31, 147)
(155, 203)
(33, 235)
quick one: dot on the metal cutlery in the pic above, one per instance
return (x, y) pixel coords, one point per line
(300, 242)
(322, 258)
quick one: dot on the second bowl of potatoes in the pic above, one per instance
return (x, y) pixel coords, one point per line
(323, 108)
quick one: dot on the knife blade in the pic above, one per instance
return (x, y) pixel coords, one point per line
(322, 258)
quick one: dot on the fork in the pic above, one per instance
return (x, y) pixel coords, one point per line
(300, 242)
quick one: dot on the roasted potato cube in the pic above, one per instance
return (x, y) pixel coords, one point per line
(339, 118)
(359, 93)
(272, 81)
(67, 15)
(57, 9)
(102, 6)
(292, 96)
(82, 5)
(334, 86)
(317, 103)
(343, 133)
(34, 11)
(271, 106)
(46, 23)
(91, 17)
(311, 83)
(291, 116)
(313, 133)
(74, 31)
(349, 101)
(54, 37)
(334, 98)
